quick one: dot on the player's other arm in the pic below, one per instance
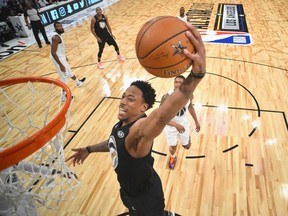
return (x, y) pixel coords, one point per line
(109, 27)
(92, 24)
(194, 116)
(82, 153)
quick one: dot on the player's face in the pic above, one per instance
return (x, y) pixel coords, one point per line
(177, 82)
(182, 11)
(132, 105)
(59, 28)
(98, 11)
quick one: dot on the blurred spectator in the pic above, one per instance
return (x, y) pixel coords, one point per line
(4, 13)
(7, 30)
(35, 4)
(15, 8)
(4, 30)
(2, 33)
(35, 23)
(43, 3)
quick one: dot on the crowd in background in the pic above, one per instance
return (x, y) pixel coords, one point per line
(16, 8)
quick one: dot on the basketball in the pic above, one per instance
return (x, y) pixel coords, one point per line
(159, 46)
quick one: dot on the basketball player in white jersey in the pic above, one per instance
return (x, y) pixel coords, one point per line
(178, 127)
(59, 58)
(183, 16)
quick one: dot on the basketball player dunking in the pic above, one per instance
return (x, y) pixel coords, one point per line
(131, 139)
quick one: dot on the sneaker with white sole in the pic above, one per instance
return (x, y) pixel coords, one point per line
(99, 64)
(121, 58)
(81, 82)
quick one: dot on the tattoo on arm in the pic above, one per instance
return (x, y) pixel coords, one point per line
(163, 99)
(184, 89)
(103, 148)
(100, 147)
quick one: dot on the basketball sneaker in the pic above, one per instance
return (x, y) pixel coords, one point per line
(99, 64)
(121, 58)
(81, 82)
(172, 162)
(168, 213)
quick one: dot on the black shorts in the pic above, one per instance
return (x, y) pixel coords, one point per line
(151, 203)
(109, 40)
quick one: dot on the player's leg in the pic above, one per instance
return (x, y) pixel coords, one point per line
(112, 41)
(63, 77)
(101, 49)
(185, 138)
(171, 135)
(151, 202)
(70, 73)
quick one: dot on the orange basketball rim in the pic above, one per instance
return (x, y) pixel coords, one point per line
(15, 153)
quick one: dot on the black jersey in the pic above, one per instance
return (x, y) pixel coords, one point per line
(100, 27)
(133, 174)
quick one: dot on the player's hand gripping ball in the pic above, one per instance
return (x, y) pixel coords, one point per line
(160, 44)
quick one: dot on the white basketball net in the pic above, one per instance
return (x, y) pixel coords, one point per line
(42, 179)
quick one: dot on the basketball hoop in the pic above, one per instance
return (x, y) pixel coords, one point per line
(33, 126)
(13, 154)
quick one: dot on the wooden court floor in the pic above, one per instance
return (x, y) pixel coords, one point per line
(238, 162)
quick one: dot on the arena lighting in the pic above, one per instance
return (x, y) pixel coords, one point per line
(198, 105)
(127, 80)
(223, 108)
(255, 124)
(245, 117)
(284, 191)
(271, 141)
(106, 87)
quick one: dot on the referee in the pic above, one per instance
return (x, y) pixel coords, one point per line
(35, 23)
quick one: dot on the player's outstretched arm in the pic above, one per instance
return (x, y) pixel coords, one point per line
(82, 153)
(157, 120)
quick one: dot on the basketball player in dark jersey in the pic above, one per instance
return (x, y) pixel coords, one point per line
(101, 29)
(131, 139)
